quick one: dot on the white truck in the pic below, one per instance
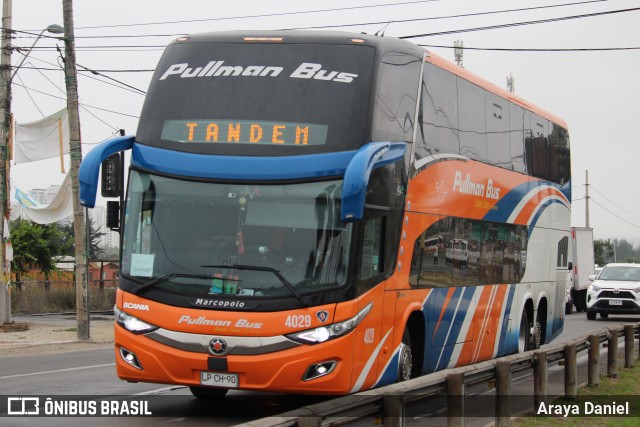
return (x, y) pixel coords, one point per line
(583, 263)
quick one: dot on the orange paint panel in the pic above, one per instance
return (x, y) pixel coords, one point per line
(487, 336)
(468, 189)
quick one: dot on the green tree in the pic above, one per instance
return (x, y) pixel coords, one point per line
(603, 251)
(35, 246)
(93, 234)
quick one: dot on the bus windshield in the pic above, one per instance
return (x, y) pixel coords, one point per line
(259, 99)
(203, 239)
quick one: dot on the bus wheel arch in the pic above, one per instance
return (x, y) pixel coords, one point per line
(412, 347)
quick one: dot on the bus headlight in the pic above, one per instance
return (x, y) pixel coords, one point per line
(131, 323)
(335, 330)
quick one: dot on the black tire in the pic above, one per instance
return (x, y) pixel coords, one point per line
(405, 358)
(575, 297)
(591, 315)
(568, 309)
(536, 336)
(604, 315)
(208, 392)
(583, 299)
(524, 336)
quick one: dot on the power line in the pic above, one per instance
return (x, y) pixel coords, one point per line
(86, 105)
(263, 15)
(462, 15)
(614, 214)
(499, 49)
(124, 86)
(491, 27)
(29, 94)
(518, 24)
(83, 71)
(613, 203)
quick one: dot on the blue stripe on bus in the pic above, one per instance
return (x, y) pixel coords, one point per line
(208, 166)
(440, 344)
(505, 207)
(508, 340)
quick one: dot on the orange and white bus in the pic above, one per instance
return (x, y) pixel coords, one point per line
(282, 193)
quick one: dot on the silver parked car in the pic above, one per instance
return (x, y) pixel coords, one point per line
(616, 290)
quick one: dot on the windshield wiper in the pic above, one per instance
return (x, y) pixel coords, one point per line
(275, 272)
(154, 282)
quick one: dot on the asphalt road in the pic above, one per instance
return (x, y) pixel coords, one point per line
(91, 374)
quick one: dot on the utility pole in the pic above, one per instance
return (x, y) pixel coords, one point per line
(586, 199)
(5, 125)
(75, 151)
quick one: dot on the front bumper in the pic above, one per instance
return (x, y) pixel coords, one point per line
(276, 371)
(608, 301)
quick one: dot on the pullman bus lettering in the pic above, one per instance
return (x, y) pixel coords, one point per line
(216, 69)
(306, 70)
(201, 320)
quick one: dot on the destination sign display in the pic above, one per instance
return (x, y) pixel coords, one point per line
(244, 132)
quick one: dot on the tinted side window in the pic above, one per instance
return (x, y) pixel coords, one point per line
(560, 158)
(517, 132)
(538, 146)
(475, 252)
(498, 139)
(395, 99)
(372, 256)
(438, 116)
(473, 130)
(563, 251)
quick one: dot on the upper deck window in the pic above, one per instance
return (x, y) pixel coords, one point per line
(259, 99)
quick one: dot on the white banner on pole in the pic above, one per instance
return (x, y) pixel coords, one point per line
(42, 139)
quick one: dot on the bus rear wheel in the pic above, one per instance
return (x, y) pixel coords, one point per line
(208, 392)
(524, 337)
(405, 358)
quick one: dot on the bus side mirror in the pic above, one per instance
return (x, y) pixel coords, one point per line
(111, 185)
(570, 266)
(113, 215)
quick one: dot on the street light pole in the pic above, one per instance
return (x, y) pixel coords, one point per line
(53, 28)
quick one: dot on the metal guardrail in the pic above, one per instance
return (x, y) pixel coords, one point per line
(389, 402)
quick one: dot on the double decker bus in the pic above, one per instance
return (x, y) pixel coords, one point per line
(283, 194)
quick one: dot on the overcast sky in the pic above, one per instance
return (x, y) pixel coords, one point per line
(596, 92)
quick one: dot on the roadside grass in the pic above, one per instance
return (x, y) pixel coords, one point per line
(34, 299)
(624, 388)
